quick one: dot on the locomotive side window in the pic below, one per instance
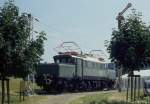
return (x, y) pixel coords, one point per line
(111, 66)
(102, 66)
(86, 64)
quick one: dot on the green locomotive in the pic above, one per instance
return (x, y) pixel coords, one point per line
(72, 71)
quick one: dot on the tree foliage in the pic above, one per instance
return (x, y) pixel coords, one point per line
(19, 52)
(129, 46)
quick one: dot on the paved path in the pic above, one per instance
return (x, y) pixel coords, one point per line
(66, 97)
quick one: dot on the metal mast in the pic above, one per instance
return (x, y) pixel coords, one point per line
(120, 15)
(120, 18)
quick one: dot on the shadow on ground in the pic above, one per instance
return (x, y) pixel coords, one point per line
(116, 102)
(43, 92)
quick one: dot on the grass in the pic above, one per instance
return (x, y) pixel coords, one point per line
(105, 98)
(29, 100)
(14, 90)
(108, 98)
(14, 93)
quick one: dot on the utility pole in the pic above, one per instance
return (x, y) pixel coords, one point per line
(120, 18)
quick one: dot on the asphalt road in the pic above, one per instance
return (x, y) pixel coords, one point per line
(66, 97)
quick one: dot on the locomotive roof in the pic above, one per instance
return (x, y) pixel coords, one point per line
(89, 58)
(84, 57)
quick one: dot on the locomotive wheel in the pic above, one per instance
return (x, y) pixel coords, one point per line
(47, 88)
(59, 86)
(71, 87)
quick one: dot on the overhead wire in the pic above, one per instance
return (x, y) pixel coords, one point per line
(48, 29)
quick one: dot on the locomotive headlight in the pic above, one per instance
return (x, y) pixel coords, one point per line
(48, 81)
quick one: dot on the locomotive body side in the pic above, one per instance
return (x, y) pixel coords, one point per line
(75, 73)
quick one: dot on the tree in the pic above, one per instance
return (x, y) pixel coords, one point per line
(29, 58)
(129, 46)
(19, 53)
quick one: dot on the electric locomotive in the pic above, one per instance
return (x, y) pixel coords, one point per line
(72, 71)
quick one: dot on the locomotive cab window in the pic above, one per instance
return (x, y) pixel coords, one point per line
(64, 60)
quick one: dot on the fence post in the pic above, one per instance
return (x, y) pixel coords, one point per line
(3, 90)
(139, 82)
(128, 88)
(135, 88)
(20, 92)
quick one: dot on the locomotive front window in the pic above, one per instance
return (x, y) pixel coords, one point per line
(65, 60)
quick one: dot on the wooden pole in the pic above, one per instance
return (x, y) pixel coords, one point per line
(21, 92)
(24, 85)
(8, 91)
(131, 88)
(3, 90)
(119, 77)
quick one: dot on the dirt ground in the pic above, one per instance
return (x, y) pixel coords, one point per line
(65, 98)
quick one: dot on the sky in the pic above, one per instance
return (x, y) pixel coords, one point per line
(87, 22)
